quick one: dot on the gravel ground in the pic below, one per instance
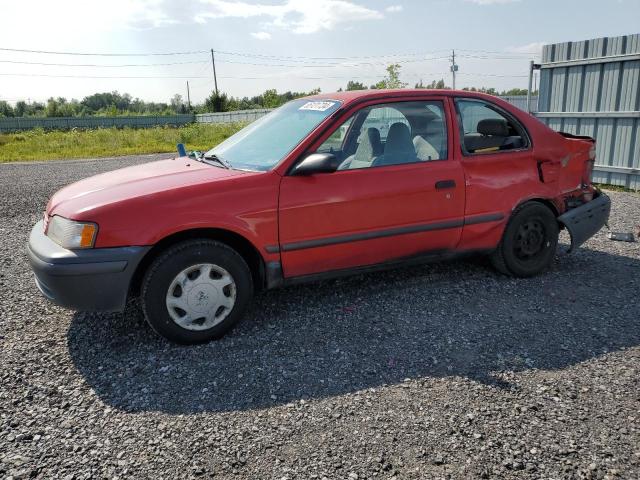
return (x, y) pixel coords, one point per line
(440, 371)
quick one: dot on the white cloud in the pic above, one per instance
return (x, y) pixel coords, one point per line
(492, 2)
(298, 16)
(394, 8)
(534, 48)
(261, 35)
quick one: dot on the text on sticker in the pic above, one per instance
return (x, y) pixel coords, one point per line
(317, 106)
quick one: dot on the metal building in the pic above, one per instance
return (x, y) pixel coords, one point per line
(592, 88)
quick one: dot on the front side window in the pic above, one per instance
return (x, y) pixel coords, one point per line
(485, 129)
(265, 142)
(390, 134)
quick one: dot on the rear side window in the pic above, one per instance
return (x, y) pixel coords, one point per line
(486, 129)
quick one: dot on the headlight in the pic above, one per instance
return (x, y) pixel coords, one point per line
(70, 234)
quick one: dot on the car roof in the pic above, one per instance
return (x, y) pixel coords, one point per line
(347, 97)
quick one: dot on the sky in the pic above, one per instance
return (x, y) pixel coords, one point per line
(295, 45)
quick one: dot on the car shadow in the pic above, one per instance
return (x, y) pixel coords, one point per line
(319, 340)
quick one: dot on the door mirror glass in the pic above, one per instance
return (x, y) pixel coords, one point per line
(316, 163)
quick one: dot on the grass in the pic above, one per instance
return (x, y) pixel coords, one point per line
(616, 188)
(109, 142)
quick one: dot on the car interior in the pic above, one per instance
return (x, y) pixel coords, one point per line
(486, 130)
(394, 134)
(409, 132)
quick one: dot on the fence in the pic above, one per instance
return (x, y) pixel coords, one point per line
(231, 117)
(520, 101)
(15, 124)
(592, 88)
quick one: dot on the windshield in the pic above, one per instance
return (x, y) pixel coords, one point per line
(263, 143)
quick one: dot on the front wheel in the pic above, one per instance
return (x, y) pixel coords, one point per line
(196, 291)
(529, 242)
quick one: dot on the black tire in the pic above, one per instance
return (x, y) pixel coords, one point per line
(165, 269)
(529, 242)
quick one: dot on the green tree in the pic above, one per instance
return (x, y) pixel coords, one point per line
(177, 104)
(52, 109)
(434, 84)
(217, 102)
(515, 92)
(5, 109)
(271, 99)
(353, 85)
(21, 108)
(392, 80)
(490, 91)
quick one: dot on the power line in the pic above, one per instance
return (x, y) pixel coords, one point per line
(187, 77)
(92, 76)
(304, 58)
(49, 52)
(222, 52)
(20, 62)
(494, 57)
(498, 53)
(312, 65)
(492, 75)
(331, 65)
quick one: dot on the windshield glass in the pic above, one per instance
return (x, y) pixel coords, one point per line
(263, 143)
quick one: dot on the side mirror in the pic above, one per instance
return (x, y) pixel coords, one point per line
(316, 163)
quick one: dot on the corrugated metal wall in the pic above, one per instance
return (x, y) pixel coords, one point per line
(592, 88)
(16, 124)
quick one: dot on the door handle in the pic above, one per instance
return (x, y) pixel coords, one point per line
(445, 184)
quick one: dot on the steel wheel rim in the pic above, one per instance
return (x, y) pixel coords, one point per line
(530, 239)
(201, 296)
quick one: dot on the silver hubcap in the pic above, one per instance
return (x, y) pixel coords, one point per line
(201, 296)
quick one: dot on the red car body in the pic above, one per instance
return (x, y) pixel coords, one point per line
(293, 227)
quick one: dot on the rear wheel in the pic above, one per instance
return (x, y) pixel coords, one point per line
(529, 243)
(196, 291)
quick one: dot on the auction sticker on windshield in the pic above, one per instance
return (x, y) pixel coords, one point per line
(317, 106)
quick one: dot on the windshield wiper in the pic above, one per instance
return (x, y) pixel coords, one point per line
(218, 160)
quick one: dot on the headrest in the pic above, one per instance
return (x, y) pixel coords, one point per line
(369, 145)
(399, 139)
(493, 126)
(374, 139)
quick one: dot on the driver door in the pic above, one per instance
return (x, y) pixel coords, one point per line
(385, 206)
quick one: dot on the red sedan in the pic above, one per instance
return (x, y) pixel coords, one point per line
(326, 185)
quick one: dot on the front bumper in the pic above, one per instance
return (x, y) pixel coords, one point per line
(585, 221)
(91, 280)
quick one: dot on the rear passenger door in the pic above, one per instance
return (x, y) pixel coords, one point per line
(497, 156)
(384, 203)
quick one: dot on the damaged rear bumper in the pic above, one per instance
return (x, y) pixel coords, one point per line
(585, 221)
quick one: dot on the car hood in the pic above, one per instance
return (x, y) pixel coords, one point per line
(141, 180)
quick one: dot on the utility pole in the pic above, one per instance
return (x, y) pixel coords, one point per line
(454, 68)
(215, 80)
(188, 96)
(530, 86)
